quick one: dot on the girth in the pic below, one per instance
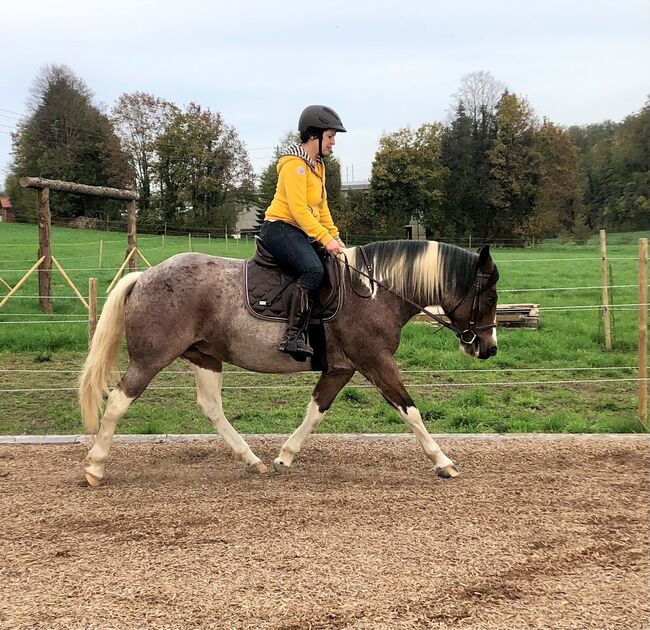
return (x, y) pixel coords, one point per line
(268, 287)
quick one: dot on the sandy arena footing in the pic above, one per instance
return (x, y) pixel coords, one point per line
(537, 532)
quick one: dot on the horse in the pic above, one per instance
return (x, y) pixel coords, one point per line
(193, 306)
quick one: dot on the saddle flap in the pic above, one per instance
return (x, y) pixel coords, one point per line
(268, 287)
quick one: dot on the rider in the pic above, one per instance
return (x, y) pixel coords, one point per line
(299, 215)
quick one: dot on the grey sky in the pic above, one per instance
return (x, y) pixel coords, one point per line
(381, 64)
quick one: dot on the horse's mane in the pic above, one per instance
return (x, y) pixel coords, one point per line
(423, 271)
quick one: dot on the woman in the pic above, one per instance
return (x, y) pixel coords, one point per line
(299, 215)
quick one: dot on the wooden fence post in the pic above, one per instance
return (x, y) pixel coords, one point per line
(92, 310)
(101, 253)
(643, 332)
(44, 250)
(604, 283)
(132, 235)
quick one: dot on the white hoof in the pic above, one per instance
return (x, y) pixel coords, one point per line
(92, 480)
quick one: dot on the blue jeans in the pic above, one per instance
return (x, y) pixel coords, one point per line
(293, 251)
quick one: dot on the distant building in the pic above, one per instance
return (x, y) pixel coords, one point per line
(6, 215)
(415, 231)
(247, 222)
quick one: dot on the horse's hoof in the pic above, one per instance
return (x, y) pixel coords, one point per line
(257, 469)
(280, 468)
(93, 481)
(448, 472)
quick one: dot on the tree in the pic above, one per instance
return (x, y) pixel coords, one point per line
(457, 156)
(205, 173)
(407, 179)
(479, 93)
(356, 217)
(558, 195)
(615, 166)
(140, 119)
(67, 137)
(512, 159)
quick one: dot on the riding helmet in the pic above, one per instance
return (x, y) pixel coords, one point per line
(320, 117)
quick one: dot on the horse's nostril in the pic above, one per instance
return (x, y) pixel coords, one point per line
(493, 351)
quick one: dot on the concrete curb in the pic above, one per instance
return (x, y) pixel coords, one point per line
(168, 438)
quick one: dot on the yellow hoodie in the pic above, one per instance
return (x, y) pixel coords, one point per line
(300, 197)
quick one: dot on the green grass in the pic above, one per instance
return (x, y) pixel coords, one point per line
(454, 392)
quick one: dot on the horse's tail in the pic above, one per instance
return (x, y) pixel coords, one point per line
(99, 369)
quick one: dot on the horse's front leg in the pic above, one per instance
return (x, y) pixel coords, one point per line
(384, 375)
(326, 390)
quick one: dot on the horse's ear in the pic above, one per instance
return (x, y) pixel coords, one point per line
(483, 256)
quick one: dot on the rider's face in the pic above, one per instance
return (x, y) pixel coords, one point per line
(329, 140)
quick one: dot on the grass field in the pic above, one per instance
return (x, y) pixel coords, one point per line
(519, 390)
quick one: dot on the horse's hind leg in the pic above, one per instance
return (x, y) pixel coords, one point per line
(208, 383)
(131, 386)
(326, 390)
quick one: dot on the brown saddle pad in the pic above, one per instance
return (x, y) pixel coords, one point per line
(269, 287)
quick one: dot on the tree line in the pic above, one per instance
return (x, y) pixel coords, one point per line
(493, 169)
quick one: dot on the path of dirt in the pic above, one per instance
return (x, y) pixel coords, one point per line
(543, 534)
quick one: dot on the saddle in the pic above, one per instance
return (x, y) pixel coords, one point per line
(269, 286)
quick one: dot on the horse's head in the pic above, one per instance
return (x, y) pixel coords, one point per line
(474, 318)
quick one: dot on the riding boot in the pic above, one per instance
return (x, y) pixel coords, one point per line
(294, 341)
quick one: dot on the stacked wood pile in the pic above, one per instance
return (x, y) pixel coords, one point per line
(508, 315)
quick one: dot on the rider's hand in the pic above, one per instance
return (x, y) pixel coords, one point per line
(334, 247)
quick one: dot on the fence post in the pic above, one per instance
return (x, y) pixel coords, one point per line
(132, 234)
(101, 253)
(44, 250)
(92, 310)
(643, 332)
(189, 239)
(604, 283)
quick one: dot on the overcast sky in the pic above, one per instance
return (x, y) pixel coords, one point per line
(380, 64)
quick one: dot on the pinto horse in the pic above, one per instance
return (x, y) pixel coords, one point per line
(193, 306)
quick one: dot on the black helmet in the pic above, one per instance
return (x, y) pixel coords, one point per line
(320, 117)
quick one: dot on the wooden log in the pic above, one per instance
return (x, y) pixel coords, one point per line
(21, 281)
(146, 262)
(44, 251)
(121, 269)
(508, 315)
(81, 189)
(70, 283)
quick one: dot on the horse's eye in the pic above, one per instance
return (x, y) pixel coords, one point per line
(491, 300)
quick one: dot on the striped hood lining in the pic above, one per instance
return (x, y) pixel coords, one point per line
(298, 151)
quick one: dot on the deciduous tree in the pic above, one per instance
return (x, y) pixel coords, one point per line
(67, 137)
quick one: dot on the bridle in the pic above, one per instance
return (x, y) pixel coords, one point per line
(467, 336)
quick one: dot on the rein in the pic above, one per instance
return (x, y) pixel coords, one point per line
(467, 336)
